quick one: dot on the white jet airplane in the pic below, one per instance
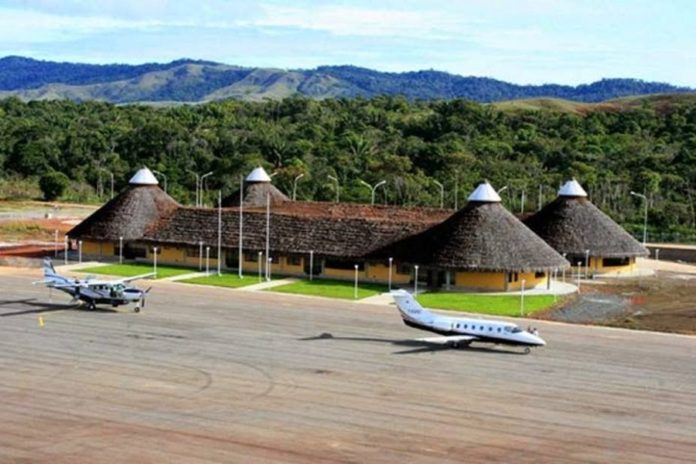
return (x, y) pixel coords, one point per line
(93, 291)
(456, 331)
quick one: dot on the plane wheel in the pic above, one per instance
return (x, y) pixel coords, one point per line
(455, 345)
(136, 309)
(527, 350)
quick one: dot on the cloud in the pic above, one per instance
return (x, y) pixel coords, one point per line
(344, 20)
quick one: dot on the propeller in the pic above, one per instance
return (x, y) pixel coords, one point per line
(143, 294)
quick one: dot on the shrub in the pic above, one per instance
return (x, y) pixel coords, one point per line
(53, 184)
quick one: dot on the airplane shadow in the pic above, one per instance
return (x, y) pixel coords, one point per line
(419, 346)
(39, 307)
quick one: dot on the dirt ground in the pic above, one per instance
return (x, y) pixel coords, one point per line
(665, 302)
(28, 228)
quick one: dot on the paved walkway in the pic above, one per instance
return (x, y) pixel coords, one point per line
(557, 288)
(190, 275)
(271, 284)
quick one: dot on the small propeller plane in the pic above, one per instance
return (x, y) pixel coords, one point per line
(457, 331)
(93, 291)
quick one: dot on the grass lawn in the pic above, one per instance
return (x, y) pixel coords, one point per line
(130, 270)
(225, 280)
(331, 289)
(499, 305)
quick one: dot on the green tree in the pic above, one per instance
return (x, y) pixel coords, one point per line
(53, 184)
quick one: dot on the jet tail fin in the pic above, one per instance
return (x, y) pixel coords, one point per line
(409, 308)
(48, 269)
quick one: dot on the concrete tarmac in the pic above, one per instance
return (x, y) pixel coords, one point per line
(207, 375)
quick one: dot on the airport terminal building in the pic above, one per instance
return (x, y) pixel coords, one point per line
(482, 246)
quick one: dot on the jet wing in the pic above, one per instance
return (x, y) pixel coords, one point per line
(442, 340)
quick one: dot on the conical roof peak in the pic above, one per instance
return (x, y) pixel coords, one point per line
(485, 193)
(143, 177)
(258, 174)
(572, 188)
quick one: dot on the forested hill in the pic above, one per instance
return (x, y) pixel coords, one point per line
(642, 144)
(198, 81)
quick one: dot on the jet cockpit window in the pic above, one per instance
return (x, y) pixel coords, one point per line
(514, 329)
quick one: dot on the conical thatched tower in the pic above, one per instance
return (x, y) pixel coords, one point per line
(575, 227)
(127, 216)
(482, 245)
(257, 186)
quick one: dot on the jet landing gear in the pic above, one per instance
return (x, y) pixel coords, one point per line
(91, 306)
(527, 350)
(136, 309)
(457, 345)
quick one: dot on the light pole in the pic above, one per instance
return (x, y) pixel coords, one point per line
(522, 202)
(219, 244)
(79, 251)
(198, 181)
(415, 282)
(55, 243)
(154, 261)
(502, 189)
(355, 288)
(587, 263)
(241, 225)
(456, 190)
(65, 256)
(372, 188)
(200, 195)
(311, 264)
(164, 177)
(579, 266)
(120, 250)
(522, 299)
(442, 193)
(268, 269)
(294, 186)
(259, 260)
(268, 230)
(563, 272)
(541, 196)
(207, 260)
(645, 219)
(200, 255)
(390, 272)
(338, 194)
(111, 174)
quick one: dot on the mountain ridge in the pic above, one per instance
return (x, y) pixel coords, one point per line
(191, 81)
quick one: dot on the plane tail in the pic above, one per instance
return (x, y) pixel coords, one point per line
(410, 309)
(48, 269)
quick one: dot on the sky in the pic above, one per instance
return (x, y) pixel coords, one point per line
(520, 41)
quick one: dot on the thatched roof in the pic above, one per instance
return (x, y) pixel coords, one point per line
(127, 215)
(255, 195)
(572, 224)
(322, 231)
(483, 236)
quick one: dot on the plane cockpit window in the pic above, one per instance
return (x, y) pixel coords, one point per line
(514, 329)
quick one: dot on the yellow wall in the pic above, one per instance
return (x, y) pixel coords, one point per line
(480, 280)
(97, 249)
(177, 255)
(90, 248)
(530, 281)
(380, 273)
(496, 280)
(345, 274)
(596, 266)
(285, 267)
(630, 267)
